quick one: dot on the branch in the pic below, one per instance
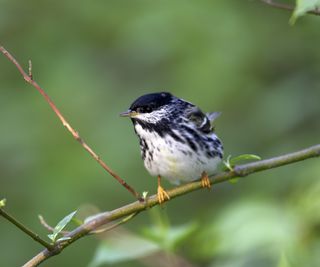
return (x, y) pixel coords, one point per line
(289, 7)
(135, 207)
(28, 78)
(26, 230)
(129, 211)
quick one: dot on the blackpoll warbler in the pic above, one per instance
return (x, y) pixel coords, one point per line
(177, 140)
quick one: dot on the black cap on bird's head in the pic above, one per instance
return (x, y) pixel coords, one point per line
(148, 103)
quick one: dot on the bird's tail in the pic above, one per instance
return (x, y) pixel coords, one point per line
(213, 115)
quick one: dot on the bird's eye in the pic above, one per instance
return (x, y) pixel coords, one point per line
(141, 109)
(144, 109)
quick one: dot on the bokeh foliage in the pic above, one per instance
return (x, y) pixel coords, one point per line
(94, 58)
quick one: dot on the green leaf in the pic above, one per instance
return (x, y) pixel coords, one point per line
(122, 246)
(302, 7)
(177, 235)
(283, 262)
(145, 194)
(259, 225)
(61, 225)
(2, 202)
(243, 157)
(229, 163)
(172, 237)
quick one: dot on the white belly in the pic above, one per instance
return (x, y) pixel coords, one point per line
(174, 160)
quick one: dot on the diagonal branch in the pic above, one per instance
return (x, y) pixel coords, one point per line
(135, 207)
(26, 230)
(28, 78)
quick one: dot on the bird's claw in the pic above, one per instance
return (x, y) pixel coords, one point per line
(162, 195)
(205, 182)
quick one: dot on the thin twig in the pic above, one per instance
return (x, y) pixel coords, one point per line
(107, 217)
(288, 7)
(26, 230)
(75, 134)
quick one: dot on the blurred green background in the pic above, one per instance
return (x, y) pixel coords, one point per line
(94, 58)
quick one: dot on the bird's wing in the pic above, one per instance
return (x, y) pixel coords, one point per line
(199, 119)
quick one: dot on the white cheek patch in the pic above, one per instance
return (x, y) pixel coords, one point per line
(152, 117)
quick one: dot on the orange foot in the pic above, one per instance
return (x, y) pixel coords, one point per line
(205, 182)
(162, 194)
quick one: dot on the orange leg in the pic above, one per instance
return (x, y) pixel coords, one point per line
(162, 194)
(205, 182)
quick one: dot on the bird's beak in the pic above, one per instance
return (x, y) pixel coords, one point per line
(129, 113)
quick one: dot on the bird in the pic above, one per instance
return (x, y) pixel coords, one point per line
(177, 140)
